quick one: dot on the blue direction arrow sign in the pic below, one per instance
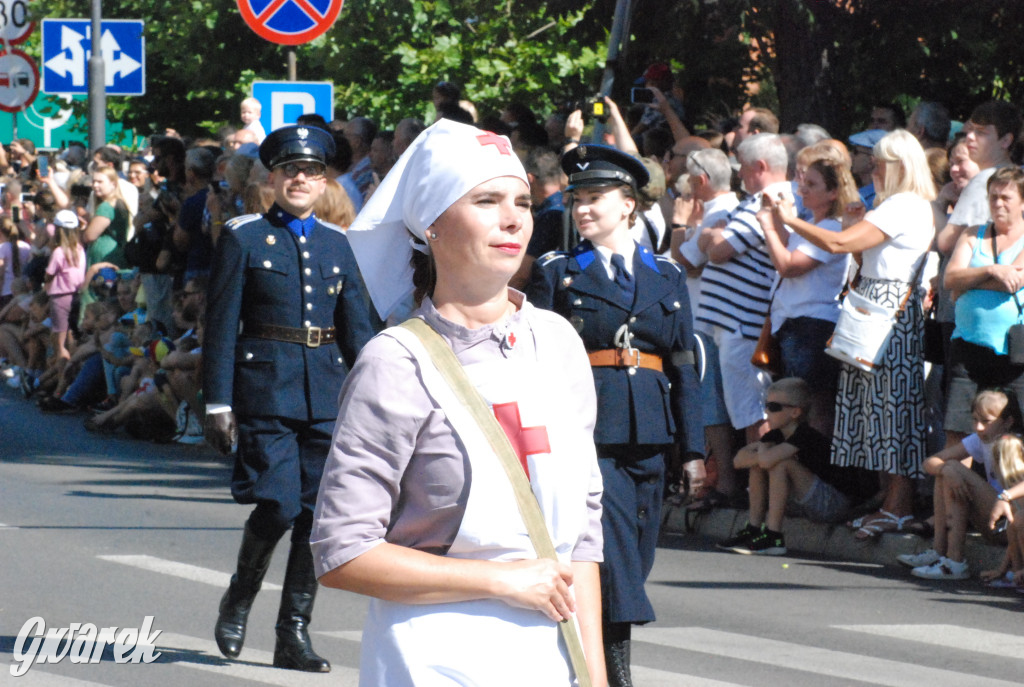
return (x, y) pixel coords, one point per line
(67, 45)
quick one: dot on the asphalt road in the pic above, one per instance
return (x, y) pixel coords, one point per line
(109, 531)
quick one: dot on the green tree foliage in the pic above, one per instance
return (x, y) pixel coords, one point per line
(825, 61)
(382, 55)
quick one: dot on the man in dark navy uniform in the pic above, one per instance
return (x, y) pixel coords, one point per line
(286, 317)
(632, 311)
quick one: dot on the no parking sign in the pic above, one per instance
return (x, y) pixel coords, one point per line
(289, 22)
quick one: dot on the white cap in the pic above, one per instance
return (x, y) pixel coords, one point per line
(66, 219)
(444, 163)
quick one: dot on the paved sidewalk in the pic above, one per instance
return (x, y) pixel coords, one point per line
(831, 541)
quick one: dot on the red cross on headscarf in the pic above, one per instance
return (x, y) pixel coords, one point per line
(525, 440)
(489, 138)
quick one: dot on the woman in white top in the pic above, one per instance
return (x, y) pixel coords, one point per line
(414, 509)
(805, 305)
(880, 415)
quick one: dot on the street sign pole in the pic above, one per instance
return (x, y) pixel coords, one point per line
(97, 84)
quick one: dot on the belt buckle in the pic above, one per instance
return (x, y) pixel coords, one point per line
(313, 337)
(632, 352)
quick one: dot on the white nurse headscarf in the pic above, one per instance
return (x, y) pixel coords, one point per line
(444, 163)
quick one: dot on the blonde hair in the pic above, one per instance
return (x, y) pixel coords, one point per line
(907, 169)
(1008, 456)
(67, 240)
(796, 391)
(334, 206)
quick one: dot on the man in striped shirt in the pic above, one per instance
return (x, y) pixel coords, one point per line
(736, 284)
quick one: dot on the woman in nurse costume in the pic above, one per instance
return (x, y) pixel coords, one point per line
(414, 507)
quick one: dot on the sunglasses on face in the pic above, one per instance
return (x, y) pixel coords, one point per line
(775, 406)
(292, 170)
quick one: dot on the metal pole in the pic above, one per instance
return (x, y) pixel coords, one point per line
(97, 82)
(623, 12)
(291, 63)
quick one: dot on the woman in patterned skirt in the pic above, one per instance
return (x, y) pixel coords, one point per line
(880, 415)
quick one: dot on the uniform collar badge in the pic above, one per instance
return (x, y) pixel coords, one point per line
(271, 239)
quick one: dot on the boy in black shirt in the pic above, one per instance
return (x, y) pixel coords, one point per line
(790, 464)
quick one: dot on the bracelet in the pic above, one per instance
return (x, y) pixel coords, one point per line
(1004, 496)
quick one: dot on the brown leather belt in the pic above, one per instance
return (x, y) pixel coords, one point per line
(624, 357)
(308, 336)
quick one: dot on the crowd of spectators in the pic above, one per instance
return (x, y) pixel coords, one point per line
(104, 259)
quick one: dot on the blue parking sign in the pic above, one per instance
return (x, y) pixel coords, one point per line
(282, 102)
(67, 45)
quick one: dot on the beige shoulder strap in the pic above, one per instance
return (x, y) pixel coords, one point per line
(451, 370)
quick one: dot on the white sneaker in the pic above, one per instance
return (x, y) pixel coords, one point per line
(943, 569)
(917, 560)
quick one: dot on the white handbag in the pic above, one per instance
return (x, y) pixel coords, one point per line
(862, 332)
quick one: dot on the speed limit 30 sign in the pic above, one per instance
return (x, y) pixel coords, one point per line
(15, 26)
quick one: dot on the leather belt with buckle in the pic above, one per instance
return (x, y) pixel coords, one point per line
(312, 337)
(624, 357)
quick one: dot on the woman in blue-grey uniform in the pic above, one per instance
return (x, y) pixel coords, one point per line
(633, 314)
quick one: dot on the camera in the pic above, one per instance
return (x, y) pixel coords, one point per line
(641, 95)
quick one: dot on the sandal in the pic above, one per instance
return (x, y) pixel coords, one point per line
(882, 522)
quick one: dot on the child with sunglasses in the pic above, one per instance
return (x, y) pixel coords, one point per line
(788, 466)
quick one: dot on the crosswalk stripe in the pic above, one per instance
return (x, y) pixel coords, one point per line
(194, 573)
(39, 678)
(347, 635)
(952, 636)
(245, 667)
(652, 677)
(836, 664)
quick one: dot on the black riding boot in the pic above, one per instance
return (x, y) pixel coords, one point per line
(616, 654)
(253, 560)
(293, 649)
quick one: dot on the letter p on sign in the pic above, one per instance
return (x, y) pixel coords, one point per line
(283, 101)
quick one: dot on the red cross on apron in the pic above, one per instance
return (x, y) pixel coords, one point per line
(525, 440)
(489, 138)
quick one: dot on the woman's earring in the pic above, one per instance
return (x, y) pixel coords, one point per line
(432, 236)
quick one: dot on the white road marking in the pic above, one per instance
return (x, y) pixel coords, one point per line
(347, 635)
(951, 636)
(651, 677)
(245, 666)
(37, 677)
(195, 573)
(835, 664)
(8, 527)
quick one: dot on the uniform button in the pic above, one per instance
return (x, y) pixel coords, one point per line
(632, 370)
(302, 239)
(340, 360)
(309, 289)
(309, 306)
(337, 269)
(632, 320)
(248, 356)
(642, 514)
(578, 301)
(307, 323)
(653, 480)
(267, 264)
(675, 304)
(308, 271)
(305, 254)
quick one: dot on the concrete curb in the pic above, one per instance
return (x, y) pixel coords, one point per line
(830, 541)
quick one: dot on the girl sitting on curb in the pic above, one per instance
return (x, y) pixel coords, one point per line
(962, 496)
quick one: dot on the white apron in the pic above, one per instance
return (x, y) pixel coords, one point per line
(488, 643)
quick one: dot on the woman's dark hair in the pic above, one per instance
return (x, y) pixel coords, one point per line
(13, 233)
(424, 276)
